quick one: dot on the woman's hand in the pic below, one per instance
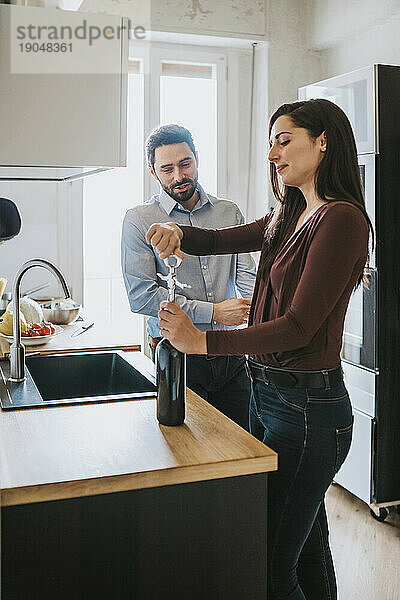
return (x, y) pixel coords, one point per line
(177, 327)
(166, 239)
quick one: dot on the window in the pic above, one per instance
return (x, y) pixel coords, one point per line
(188, 97)
(107, 196)
(188, 87)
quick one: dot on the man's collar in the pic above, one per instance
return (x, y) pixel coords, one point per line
(169, 203)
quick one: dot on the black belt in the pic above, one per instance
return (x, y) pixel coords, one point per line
(326, 378)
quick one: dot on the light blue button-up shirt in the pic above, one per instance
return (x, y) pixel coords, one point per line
(212, 279)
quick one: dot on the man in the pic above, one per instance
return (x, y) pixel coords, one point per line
(211, 300)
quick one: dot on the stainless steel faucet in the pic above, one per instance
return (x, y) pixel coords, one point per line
(17, 350)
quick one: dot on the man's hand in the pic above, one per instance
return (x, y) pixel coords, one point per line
(166, 239)
(177, 327)
(234, 311)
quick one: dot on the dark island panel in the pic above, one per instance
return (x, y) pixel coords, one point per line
(194, 541)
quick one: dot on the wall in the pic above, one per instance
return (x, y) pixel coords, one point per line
(353, 35)
(46, 209)
(291, 64)
(232, 18)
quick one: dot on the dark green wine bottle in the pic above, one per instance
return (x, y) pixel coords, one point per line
(171, 384)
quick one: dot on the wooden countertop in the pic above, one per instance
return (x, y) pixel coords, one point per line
(99, 337)
(67, 452)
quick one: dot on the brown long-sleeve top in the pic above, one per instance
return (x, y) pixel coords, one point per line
(296, 317)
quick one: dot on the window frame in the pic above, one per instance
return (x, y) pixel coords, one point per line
(159, 53)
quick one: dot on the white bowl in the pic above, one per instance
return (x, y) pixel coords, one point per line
(34, 341)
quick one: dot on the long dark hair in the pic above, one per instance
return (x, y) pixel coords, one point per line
(337, 176)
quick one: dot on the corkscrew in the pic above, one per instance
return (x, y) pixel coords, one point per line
(172, 262)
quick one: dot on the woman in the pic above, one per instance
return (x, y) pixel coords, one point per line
(314, 249)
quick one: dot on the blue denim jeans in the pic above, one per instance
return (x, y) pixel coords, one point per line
(311, 431)
(223, 382)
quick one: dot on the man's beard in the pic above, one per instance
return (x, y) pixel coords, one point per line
(181, 196)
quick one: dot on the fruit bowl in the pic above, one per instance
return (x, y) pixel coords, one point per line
(34, 341)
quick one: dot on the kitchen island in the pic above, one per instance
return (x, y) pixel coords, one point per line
(101, 501)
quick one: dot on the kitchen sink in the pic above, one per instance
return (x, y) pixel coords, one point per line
(77, 378)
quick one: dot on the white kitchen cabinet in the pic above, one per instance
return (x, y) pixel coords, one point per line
(62, 110)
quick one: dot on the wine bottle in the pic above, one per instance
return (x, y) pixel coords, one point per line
(171, 384)
(171, 364)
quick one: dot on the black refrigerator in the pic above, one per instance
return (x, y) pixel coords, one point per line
(371, 341)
